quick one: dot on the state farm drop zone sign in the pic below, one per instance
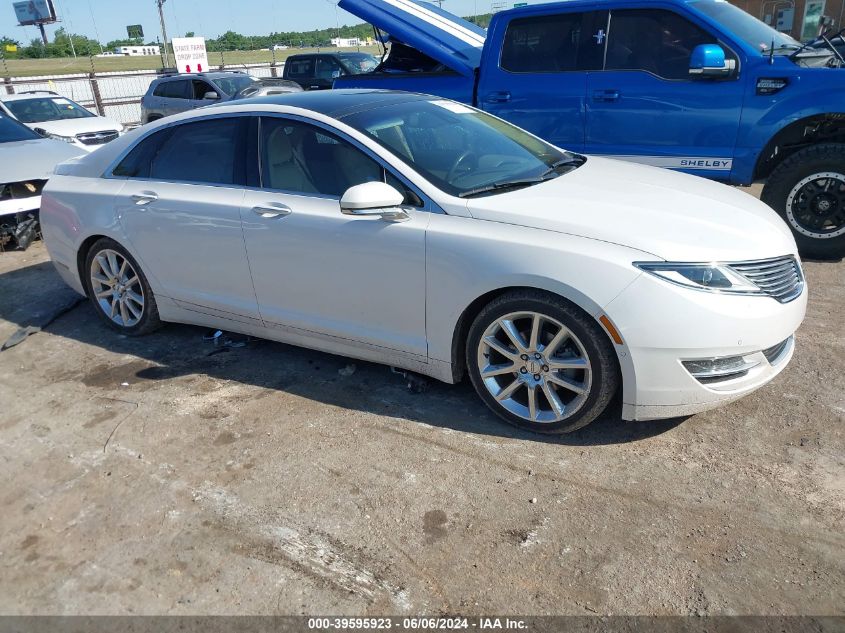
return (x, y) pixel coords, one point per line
(190, 53)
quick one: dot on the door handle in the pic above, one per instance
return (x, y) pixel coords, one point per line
(144, 197)
(606, 95)
(502, 96)
(271, 211)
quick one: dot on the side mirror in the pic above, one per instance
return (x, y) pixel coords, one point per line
(211, 95)
(708, 60)
(41, 132)
(374, 198)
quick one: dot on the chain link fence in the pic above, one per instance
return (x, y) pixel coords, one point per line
(115, 94)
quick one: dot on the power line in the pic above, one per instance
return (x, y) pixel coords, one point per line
(159, 4)
(94, 23)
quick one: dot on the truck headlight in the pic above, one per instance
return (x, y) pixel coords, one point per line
(713, 277)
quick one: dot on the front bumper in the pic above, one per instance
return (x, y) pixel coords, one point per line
(19, 205)
(663, 325)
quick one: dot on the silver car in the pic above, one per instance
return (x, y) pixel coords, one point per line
(175, 93)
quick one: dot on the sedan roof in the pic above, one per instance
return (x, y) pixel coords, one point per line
(338, 103)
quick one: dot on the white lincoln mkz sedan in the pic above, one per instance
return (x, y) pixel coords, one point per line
(420, 233)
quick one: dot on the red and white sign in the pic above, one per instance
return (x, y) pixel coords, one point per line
(190, 53)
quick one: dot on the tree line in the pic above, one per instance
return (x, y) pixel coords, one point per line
(64, 44)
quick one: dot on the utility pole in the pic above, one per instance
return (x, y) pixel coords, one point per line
(160, 4)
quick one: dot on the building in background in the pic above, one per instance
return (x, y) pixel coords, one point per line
(137, 51)
(799, 18)
(346, 42)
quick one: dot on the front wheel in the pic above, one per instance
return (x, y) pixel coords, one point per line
(540, 363)
(808, 191)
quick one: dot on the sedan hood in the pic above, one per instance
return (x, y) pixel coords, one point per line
(33, 160)
(671, 215)
(72, 127)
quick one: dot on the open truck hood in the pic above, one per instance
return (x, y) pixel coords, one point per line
(450, 40)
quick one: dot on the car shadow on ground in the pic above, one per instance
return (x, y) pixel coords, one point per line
(34, 295)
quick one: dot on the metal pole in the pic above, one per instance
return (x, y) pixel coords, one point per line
(43, 33)
(160, 4)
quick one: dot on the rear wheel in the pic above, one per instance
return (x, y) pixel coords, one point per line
(540, 363)
(808, 191)
(119, 290)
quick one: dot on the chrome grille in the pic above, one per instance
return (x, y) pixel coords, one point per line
(774, 353)
(97, 138)
(780, 278)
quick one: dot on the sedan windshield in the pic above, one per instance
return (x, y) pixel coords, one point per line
(11, 131)
(461, 150)
(746, 27)
(41, 109)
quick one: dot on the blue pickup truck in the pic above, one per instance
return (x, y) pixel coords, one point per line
(695, 85)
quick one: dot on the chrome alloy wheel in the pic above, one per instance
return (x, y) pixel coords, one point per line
(816, 205)
(534, 367)
(117, 288)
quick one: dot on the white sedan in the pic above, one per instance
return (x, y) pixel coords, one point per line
(59, 118)
(424, 234)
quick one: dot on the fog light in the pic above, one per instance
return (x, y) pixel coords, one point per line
(717, 369)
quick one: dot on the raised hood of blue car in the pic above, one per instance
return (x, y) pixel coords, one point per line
(449, 39)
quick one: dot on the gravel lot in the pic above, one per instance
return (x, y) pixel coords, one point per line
(150, 476)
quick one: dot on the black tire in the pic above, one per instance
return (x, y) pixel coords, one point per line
(780, 194)
(148, 320)
(605, 375)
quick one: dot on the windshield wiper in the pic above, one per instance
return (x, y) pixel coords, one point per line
(552, 170)
(780, 47)
(501, 186)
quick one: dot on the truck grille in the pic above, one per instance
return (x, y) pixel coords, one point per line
(97, 138)
(780, 278)
(25, 189)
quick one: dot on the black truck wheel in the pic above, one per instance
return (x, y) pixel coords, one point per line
(808, 191)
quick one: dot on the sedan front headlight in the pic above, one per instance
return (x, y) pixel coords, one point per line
(712, 277)
(59, 137)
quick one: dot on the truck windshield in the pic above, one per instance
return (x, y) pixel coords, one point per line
(358, 63)
(460, 150)
(11, 131)
(746, 27)
(46, 109)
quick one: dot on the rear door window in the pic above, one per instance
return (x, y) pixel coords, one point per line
(210, 151)
(174, 89)
(561, 42)
(301, 67)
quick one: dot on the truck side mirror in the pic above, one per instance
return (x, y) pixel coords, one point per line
(708, 60)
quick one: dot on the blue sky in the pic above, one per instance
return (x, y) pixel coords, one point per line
(206, 17)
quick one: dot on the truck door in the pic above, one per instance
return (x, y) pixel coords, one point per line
(645, 107)
(539, 82)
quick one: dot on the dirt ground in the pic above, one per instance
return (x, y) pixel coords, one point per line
(150, 476)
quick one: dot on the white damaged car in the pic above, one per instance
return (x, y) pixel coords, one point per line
(421, 233)
(26, 162)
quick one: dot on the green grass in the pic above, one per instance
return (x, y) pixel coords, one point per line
(69, 65)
